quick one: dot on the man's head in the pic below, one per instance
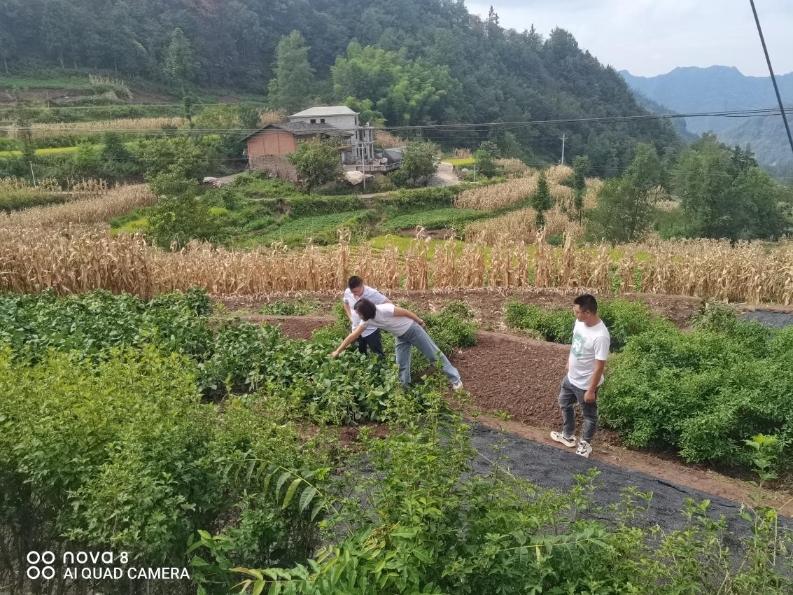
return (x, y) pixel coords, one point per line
(585, 308)
(355, 284)
(366, 309)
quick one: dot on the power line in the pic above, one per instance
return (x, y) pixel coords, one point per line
(771, 70)
(468, 127)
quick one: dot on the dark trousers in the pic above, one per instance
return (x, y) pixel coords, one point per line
(569, 395)
(373, 342)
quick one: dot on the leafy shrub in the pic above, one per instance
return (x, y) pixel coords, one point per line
(125, 457)
(623, 318)
(702, 393)
(420, 522)
(310, 206)
(420, 199)
(90, 325)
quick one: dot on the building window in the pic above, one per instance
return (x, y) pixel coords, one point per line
(322, 120)
(313, 121)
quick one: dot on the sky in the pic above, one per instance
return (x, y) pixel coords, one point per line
(652, 37)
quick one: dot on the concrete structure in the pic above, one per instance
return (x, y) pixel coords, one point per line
(342, 117)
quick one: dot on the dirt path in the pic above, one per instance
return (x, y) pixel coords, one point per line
(513, 383)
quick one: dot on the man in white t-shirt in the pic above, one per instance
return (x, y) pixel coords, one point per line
(408, 331)
(584, 374)
(356, 290)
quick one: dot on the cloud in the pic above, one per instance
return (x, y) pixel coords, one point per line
(650, 37)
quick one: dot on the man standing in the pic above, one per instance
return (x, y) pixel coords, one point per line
(584, 374)
(371, 337)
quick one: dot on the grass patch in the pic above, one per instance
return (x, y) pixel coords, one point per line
(51, 83)
(464, 162)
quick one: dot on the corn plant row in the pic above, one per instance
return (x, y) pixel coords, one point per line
(79, 259)
(96, 203)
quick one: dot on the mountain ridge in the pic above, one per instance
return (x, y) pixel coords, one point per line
(690, 89)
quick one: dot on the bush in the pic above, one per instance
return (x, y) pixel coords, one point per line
(130, 441)
(702, 393)
(310, 206)
(420, 199)
(623, 318)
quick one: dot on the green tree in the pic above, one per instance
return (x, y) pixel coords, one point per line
(187, 109)
(725, 195)
(184, 155)
(114, 148)
(485, 165)
(179, 62)
(179, 215)
(293, 82)
(417, 165)
(581, 167)
(87, 158)
(249, 116)
(626, 206)
(317, 163)
(541, 200)
(403, 91)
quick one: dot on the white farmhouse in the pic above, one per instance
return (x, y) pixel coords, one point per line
(361, 139)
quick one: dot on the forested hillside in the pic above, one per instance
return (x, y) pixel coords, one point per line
(430, 62)
(718, 88)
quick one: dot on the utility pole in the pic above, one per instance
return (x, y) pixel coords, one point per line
(564, 137)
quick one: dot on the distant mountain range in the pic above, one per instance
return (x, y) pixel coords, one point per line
(721, 88)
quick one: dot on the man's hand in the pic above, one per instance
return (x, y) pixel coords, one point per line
(334, 353)
(422, 324)
(590, 396)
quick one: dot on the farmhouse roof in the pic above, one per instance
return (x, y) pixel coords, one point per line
(302, 129)
(329, 110)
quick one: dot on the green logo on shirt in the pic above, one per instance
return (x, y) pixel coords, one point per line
(577, 348)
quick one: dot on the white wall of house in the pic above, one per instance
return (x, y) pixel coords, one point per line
(342, 121)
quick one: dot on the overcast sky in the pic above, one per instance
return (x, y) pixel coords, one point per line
(651, 37)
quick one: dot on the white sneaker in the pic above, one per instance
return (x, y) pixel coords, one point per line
(584, 449)
(457, 385)
(559, 437)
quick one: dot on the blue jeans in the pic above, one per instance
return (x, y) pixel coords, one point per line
(568, 395)
(417, 337)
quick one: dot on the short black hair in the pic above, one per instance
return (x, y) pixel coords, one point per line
(587, 303)
(354, 281)
(365, 308)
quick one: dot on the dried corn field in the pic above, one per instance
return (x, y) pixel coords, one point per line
(519, 226)
(78, 259)
(119, 125)
(94, 202)
(387, 140)
(497, 196)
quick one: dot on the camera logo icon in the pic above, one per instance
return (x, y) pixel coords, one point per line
(45, 560)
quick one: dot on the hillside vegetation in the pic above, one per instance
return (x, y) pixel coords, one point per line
(414, 62)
